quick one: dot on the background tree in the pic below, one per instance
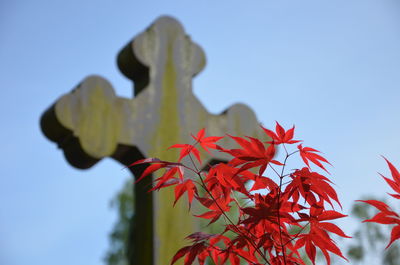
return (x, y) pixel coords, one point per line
(370, 239)
(123, 202)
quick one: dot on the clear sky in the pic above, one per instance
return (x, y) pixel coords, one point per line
(329, 67)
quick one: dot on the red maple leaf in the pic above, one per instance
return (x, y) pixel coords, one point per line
(185, 186)
(395, 182)
(281, 136)
(253, 154)
(187, 149)
(155, 164)
(206, 142)
(318, 235)
(308, 184)
(190, 252)
(386, 215)
(310, 154)
(261, 229)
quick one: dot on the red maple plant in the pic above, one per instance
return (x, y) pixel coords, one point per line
(386, 215)
(274, 205)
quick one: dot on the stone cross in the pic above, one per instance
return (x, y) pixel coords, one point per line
(91, 122)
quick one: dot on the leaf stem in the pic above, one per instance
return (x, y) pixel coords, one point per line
(279, 206)
(297, 234)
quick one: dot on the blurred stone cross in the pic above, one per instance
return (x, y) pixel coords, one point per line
(91, 122)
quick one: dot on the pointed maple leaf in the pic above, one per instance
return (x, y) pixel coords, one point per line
(200, 236)
(318, 236)
(253, 154)
(386, 215)
(308, 184)
(180, 253)
(156, 164)
(190, 252)
(263, 183)
(395, 235)
(167, 179)
(206, 142)
(381, 206)
(185, 186)
(310, 154)
(216, 206)
(146, 161)
(187, 149)
(267, 209)
(395, 182)
(280, 136)
(150, 169)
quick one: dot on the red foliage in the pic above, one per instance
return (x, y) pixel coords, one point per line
(386, 215)
(262, 230)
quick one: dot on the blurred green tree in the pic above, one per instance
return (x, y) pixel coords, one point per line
(123, 202)
(370, 239)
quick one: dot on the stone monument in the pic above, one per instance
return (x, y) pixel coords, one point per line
(91, 122)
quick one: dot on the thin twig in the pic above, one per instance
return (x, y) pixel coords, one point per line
(297, 234)
(279, 207)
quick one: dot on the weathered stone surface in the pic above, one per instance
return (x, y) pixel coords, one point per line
(91, 122)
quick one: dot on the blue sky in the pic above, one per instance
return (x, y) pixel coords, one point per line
(329, 67)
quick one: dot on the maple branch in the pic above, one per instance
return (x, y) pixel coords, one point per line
(233, 224)
(191, 159)
(287, 156)
(255, 245)
(297, 234)
(285, 183)
(279, 205)
(189, 168)
(236, 200)
(276, 172)
(284, 147)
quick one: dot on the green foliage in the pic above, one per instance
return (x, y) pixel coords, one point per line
(124, 203)
(371, 238)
